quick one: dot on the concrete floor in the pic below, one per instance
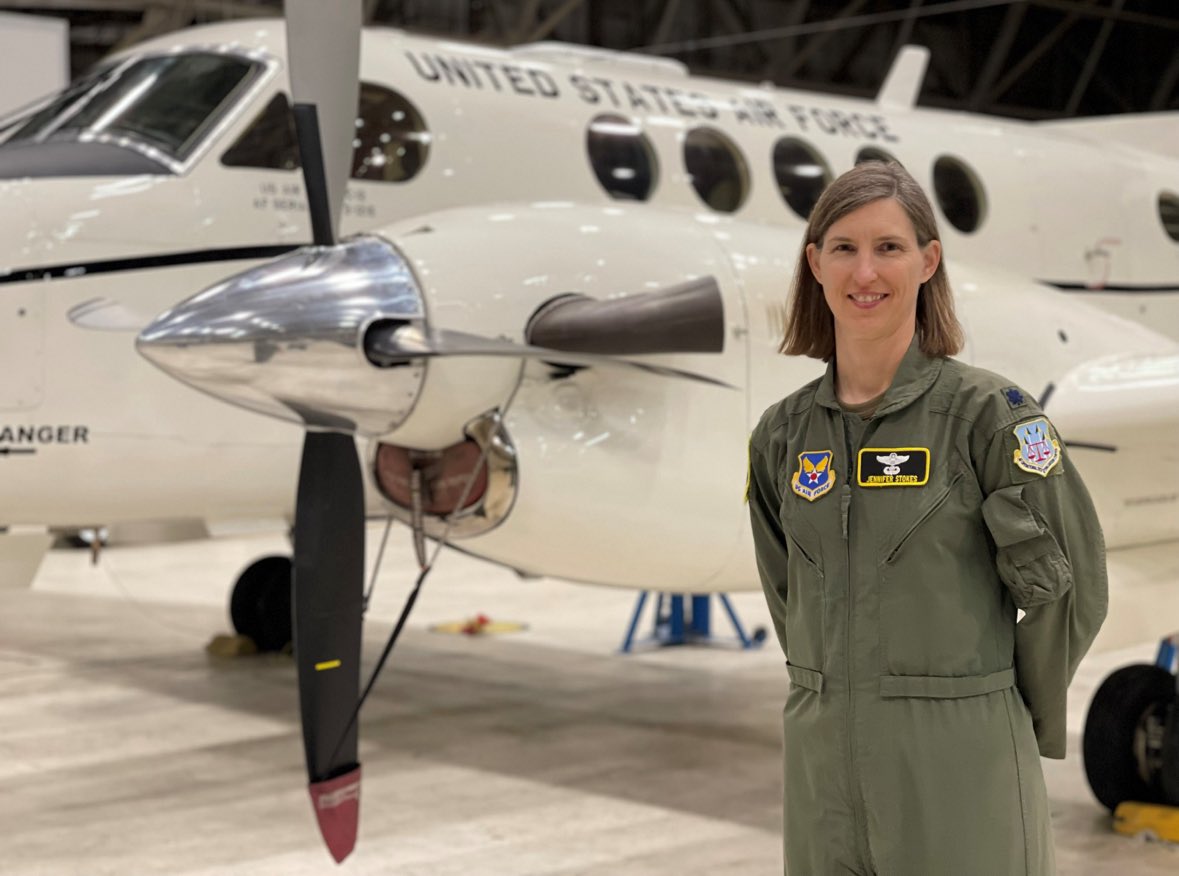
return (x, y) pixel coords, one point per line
(125, 749)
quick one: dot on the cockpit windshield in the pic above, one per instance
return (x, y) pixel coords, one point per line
(165, 103)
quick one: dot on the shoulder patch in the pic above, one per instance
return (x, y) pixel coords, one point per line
(893, 467)
(1038, 451)
(1015, 397)
(816, 474)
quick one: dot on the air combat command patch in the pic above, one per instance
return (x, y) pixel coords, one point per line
(815, 476)
(893, 467)
(1038, 451)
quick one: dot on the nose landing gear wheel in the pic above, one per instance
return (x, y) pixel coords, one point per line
(1125, 746)
(260, 606)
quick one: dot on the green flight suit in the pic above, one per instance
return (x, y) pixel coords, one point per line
(917, 704)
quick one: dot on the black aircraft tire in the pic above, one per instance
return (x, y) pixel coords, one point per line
(1114, 717)
(1170, 770)
(260, 605)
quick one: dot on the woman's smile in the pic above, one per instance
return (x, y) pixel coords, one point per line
(867, 300)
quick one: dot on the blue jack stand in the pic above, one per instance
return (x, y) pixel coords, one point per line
(686, 620)
(1168, 656)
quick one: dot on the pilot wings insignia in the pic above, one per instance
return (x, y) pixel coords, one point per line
(892, 462)
(815, 475)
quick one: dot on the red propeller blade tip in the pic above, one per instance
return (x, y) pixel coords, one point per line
(337, 808)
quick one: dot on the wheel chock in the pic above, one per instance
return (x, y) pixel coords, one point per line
(1147, 819)
(231, 646)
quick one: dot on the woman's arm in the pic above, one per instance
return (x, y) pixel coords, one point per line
(769, 541)
(1051, 555)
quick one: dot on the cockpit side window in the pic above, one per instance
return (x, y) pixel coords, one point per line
(269, 141)
(390, 144)
(167, 103)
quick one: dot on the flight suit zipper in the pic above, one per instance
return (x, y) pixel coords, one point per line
(845, 498)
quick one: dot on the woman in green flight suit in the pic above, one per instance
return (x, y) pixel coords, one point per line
(905, 507)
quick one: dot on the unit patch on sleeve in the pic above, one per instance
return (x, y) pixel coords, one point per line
(893, 467)
(816, 474)
(1038, 451)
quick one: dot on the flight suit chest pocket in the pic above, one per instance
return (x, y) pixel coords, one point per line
(804, 589)
(940, 602)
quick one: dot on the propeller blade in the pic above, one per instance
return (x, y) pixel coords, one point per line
(328, 607)
(392, 343)
(323, 53)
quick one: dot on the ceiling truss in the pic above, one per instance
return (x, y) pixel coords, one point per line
(1023, 58)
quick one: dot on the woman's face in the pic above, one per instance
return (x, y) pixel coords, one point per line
(870, 268)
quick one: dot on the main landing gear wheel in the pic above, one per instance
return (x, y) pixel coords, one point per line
(1124, 745)
(260, 606)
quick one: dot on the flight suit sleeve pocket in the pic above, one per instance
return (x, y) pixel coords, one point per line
(1029, 558)
(808, 678)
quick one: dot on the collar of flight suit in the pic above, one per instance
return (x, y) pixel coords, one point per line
(915, 375)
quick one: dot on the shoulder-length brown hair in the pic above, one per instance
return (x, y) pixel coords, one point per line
(810, 327)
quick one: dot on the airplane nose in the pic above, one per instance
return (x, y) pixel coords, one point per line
(286, 338)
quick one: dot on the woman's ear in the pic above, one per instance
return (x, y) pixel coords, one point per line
(812, 258)
(932, 253)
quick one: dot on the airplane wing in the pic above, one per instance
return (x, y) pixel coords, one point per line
(1143, 596)
(1119, 417)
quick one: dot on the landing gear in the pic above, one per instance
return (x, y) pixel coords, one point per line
(260, 605)
(1131, 739)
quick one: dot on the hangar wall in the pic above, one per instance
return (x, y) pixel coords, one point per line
(34, 58)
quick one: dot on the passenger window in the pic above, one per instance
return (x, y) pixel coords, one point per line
(269, 141)
(622, 157)
(802, 174)
(959, 193)
(871, 153)
(718, 171)
(390, 145)
(1169, 214)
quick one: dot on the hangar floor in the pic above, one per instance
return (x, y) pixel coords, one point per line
(124, 749)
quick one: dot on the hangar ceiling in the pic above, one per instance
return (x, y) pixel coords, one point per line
(1020, 58)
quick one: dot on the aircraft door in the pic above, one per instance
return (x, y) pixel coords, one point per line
(22, 348)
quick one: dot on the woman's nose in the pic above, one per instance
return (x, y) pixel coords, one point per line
(865, 268)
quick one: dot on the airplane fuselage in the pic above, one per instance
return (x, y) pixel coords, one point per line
(496, 154)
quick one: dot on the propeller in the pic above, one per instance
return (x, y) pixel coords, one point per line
(580, 331)
(392, 342)
(323, 50)
(250, 340)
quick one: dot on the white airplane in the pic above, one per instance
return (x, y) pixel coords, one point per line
(573, 270)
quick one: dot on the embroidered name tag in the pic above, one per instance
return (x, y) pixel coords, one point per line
(893, 467)
(815, 475)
